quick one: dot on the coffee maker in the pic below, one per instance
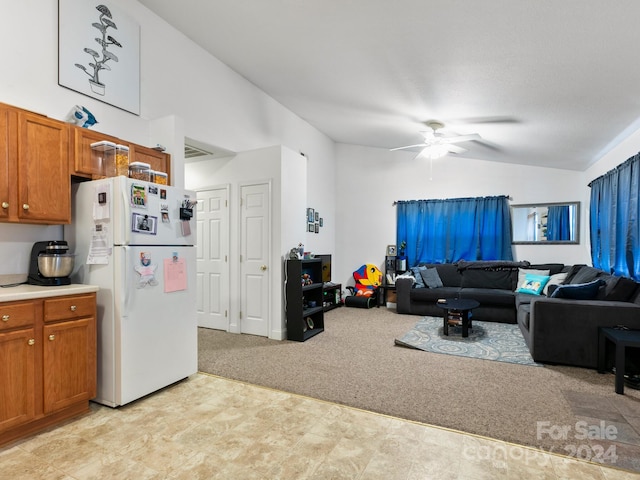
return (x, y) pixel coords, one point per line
(57, 266)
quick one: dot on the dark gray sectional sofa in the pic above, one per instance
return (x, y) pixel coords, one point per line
(556, 330)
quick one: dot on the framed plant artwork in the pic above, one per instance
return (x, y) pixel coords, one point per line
(317, 228)
(310, 215)
(317, 217)
(311, 228)
(99, 52)
(391, 251)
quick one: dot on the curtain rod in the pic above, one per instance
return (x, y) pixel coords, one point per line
(395, 202)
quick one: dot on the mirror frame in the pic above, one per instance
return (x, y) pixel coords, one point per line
(576, 225)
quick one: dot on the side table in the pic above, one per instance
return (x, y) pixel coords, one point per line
(457, 311)
(621, 339)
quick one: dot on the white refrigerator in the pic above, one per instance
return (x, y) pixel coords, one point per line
(136, 241)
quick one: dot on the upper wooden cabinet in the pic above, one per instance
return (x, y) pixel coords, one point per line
(84, 164)
(34, 161)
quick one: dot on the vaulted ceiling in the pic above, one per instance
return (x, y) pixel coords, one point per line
(545, 82)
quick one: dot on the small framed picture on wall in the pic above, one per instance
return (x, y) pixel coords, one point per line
(311, 227)
(310, 215)
(317, 228)
(391, 250)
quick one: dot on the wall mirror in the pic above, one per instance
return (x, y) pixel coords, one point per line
(546, 223)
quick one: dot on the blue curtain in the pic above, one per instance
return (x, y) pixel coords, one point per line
(613, 213)
(558, 223)
(442, 231)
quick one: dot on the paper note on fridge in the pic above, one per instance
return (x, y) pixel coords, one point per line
(175, 275)
(99, 248)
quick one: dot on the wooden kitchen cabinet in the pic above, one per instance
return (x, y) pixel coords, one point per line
(34, 160)
(159, 161)
(47, 362)
(84, 164)
(17, 364)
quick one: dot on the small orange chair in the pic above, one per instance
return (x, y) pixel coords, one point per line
(364, 294)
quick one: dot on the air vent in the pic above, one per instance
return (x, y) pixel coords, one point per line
(194, 152)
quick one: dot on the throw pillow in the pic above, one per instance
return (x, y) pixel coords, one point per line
(523, 271)
(579, 291)
(431, 278)
(556, 279)
(622, 291)
(585, 275)
(419, 283)
(533, 284)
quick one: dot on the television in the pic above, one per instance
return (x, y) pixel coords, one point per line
(326, 267)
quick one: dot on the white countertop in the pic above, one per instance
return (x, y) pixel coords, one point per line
(28, 292)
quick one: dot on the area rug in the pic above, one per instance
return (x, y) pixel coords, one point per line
(501, 342)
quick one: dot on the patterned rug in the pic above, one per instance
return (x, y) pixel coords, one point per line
(501, 342)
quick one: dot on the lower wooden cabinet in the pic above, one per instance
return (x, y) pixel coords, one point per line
(47, 362)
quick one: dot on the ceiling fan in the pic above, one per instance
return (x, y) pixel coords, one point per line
(437, 145)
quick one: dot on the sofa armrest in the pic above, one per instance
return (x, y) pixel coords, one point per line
(403, 294)
(566, 331)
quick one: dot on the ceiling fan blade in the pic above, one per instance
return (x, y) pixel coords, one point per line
(460, 138)
(409, 146)
(478, 120)
(456, 149)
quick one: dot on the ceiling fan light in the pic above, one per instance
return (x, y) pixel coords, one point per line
(434, 151)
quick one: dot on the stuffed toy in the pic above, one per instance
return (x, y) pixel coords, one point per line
(368, 277)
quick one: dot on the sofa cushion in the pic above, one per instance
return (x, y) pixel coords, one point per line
(490, 296)
(417, 276)
(448, 273)
(523, 271)
(432, 295)
(621, 290)
(579, 291)
(431, 278)
(553, 268)
(571, 272)
(478, 278)
(585, 275)
(533, 284)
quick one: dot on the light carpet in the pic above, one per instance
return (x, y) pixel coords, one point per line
(499, 342)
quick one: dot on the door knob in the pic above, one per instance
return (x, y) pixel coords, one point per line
(25, 206)
(263, 268)
(31, 341)
(73, 308)
(52, 337)
(5, 204)
(5, 318)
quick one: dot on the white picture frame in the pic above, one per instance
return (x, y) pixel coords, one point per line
(99, 52)
(391, 251)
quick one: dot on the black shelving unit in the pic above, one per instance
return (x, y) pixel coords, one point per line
(304, 299)
(331, 296)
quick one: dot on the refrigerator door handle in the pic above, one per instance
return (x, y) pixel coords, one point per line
(127, 280)
(126, 215)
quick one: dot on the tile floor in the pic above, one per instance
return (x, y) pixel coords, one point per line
(208, 427)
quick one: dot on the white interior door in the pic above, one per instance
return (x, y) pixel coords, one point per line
(255, 232)
(213, 258)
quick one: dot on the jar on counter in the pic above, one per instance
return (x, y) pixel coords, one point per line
(122, 160)
(140, 171)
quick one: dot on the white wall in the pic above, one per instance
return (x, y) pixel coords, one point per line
(369, 180)
(184, 92)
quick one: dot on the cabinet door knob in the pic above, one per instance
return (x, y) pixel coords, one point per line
(25, 206)
(5, 318)
(263, 268)
(52, 337)
(73, 308)
(31, 341)
(5, 204)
